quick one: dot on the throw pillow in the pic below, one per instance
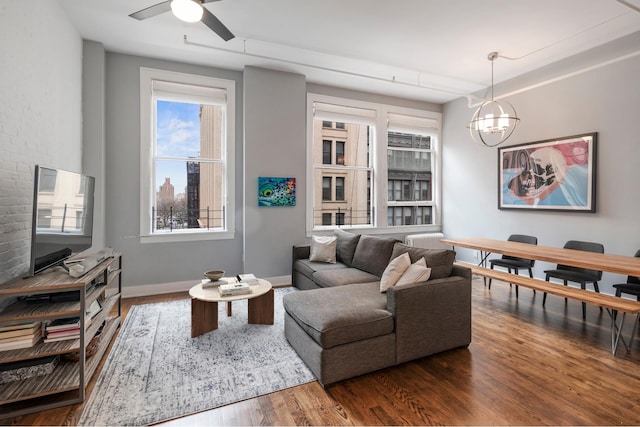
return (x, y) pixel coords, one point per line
(346, 246)
(417, 272)
(439, 260)
(394, 271)
(323, 249)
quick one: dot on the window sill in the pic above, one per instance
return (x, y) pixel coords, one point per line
(186, 237)
(400, 229)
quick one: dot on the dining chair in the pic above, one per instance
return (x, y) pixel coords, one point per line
(568, 273)
(515, 263)
(632, 287)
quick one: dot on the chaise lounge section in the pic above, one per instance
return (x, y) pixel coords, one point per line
(343, 325)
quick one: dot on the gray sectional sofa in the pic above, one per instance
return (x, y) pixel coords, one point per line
(342, 325)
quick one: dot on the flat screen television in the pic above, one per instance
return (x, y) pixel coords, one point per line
(62, 222)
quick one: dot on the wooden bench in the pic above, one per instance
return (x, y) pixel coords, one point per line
(612, 303)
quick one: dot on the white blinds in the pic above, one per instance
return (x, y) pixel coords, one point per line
(189, 93)
(411, 124)
(342, 113)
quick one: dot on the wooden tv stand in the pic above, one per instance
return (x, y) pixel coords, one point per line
(67, 383)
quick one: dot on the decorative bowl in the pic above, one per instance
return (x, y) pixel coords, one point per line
(214, 275)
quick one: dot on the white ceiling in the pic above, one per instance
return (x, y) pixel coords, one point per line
(435, 50)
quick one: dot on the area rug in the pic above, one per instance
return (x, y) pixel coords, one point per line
(156, 371)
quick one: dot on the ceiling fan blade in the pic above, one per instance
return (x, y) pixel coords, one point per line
(216, 25)
(151, 11)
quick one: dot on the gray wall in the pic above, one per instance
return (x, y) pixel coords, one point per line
(274, 146)
(606, 100)
(270, 141)
(154, 263)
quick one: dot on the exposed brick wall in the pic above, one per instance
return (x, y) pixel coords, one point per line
(40, 114)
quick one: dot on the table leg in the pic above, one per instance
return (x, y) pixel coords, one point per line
(204, 317)
(261, 309)
(616, 331)
(228, 308)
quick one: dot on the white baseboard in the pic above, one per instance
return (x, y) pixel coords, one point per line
(168, 288)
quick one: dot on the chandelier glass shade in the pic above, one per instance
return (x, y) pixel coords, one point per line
(187, 10)
(494, 121)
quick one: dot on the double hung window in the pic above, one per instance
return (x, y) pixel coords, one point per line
(410, 170)
(187, 151)
(372, 166)
(342, 165)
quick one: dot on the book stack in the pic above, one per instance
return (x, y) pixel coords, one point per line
(234, 289)
(206, 283)
(23, 335)
(64, 329)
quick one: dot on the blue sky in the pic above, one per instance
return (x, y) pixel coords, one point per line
(178, 135)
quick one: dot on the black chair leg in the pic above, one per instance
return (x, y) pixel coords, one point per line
(597, 288)
(544, 297)
(566, 284)
(489, 278)
(583, 286)
(531, 276)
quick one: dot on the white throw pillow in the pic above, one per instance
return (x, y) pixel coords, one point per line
(394, 271)
(417, 272)
(323, 249)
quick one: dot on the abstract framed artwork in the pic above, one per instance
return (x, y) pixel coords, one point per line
(554, 174)
(276, 191)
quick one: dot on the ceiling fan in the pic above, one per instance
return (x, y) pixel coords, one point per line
(189, 11)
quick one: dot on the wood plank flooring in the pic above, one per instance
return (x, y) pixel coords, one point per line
(525, 366)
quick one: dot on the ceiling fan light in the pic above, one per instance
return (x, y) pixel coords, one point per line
(187, 10)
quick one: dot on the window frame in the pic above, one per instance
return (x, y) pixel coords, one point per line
(147, 158)
(379, 204)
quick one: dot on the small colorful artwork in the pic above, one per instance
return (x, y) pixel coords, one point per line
(276, 191)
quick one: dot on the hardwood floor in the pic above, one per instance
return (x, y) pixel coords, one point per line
(526, 365)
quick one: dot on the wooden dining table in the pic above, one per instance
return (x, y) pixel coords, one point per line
(619, 264)
(627, 265)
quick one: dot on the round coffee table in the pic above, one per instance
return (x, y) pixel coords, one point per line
(204, 306)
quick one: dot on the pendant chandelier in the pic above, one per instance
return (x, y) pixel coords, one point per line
(494, 121)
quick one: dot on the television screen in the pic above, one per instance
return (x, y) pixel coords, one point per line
(62, 216)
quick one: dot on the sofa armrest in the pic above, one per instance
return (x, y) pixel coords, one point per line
(301, 252)
(462, 271)
(431, 316)
(298, 252)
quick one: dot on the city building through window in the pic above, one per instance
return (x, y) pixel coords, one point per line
(372, 165)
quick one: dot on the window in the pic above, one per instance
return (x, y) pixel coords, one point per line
(410, 169)
(367, 159)
(326, 219)
(326, 188)
(340, 153)
(326, 152)
(339, 188)
(187, 152)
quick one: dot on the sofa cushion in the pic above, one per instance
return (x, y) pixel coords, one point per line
(440, 261)
(346, 246)
(394, 271)
(323, 249)
(373, 254)
(344, 276)
(307, 267)
(340, 315)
